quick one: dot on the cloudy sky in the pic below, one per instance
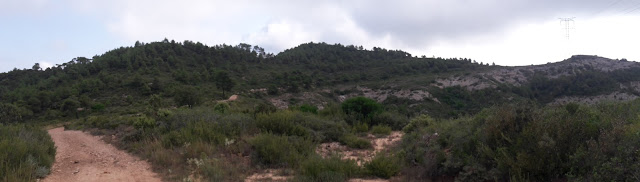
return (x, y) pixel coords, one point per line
(507, 32)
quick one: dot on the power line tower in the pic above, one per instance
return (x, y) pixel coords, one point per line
(569, 24)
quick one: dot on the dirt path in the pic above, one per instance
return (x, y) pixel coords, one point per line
(83, 157)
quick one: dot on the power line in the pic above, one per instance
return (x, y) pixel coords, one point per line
(613, 3)
(568, 25)
(638, 8)
(631, 8)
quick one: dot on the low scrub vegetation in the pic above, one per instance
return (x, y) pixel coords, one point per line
(241, 136)
(328, 169)
(381, 130)
(27, 153)
(524, 142)
(384, 166)
(280, 151)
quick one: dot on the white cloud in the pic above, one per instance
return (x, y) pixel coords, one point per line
(45, 65)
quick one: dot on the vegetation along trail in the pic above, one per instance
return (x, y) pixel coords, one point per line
(83, 157)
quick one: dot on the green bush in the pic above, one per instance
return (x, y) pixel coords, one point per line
(384, 166)
(572, 108)
(355, 142)
(173, 138)
(98, 107)
(221, 107)
(188, 96)
(321, 129)
(362, 108)
(164, 113)
(217, 169)
(27, 153)
(308, 108)
(280, 151)
(393, 120)
(316, 168)
(360, 127)
(144, 122)
(102, 122)
(282, 122)
(380, 130)
(418, 122)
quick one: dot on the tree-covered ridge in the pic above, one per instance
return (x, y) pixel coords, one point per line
(164, 70)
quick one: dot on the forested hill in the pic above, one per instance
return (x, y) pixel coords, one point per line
(162, 71)
(154, 75)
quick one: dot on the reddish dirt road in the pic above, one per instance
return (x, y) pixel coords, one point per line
(83, 157)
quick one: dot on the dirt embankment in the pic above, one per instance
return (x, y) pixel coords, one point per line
(83, 157)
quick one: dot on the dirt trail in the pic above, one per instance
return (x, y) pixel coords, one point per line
(83, 157)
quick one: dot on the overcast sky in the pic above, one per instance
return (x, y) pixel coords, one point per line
(507, 32)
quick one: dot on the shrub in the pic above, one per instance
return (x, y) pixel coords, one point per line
(280, 151)
(393, 120)
(360, 127)
(222, 169)
(333, 168)
(102, 122)
(173, 138)
(221, 107)
(281, 123)
(418, 122)
(144, 122)
(381, 130)
(572, 108)
(364, 109)
(355, 142)
(164, 113)
(384, 166)
(27, 153)
(332, 110)
(98, 107)
(308, 108)
(187, 96)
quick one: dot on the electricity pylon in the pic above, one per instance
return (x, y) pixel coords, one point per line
(568, 26)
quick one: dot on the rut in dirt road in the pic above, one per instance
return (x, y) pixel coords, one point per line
(83, 157)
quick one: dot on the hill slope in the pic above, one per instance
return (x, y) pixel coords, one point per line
(167, 73)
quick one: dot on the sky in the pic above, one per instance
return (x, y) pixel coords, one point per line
(505, 32)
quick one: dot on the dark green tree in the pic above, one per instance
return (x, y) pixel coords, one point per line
(362, 108)
(224, 82)
(187, 96)
(36, 67)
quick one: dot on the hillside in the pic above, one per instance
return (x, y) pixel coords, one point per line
(167, 73)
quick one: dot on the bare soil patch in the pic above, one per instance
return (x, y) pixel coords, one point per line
(268, 175)
(361, 156)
